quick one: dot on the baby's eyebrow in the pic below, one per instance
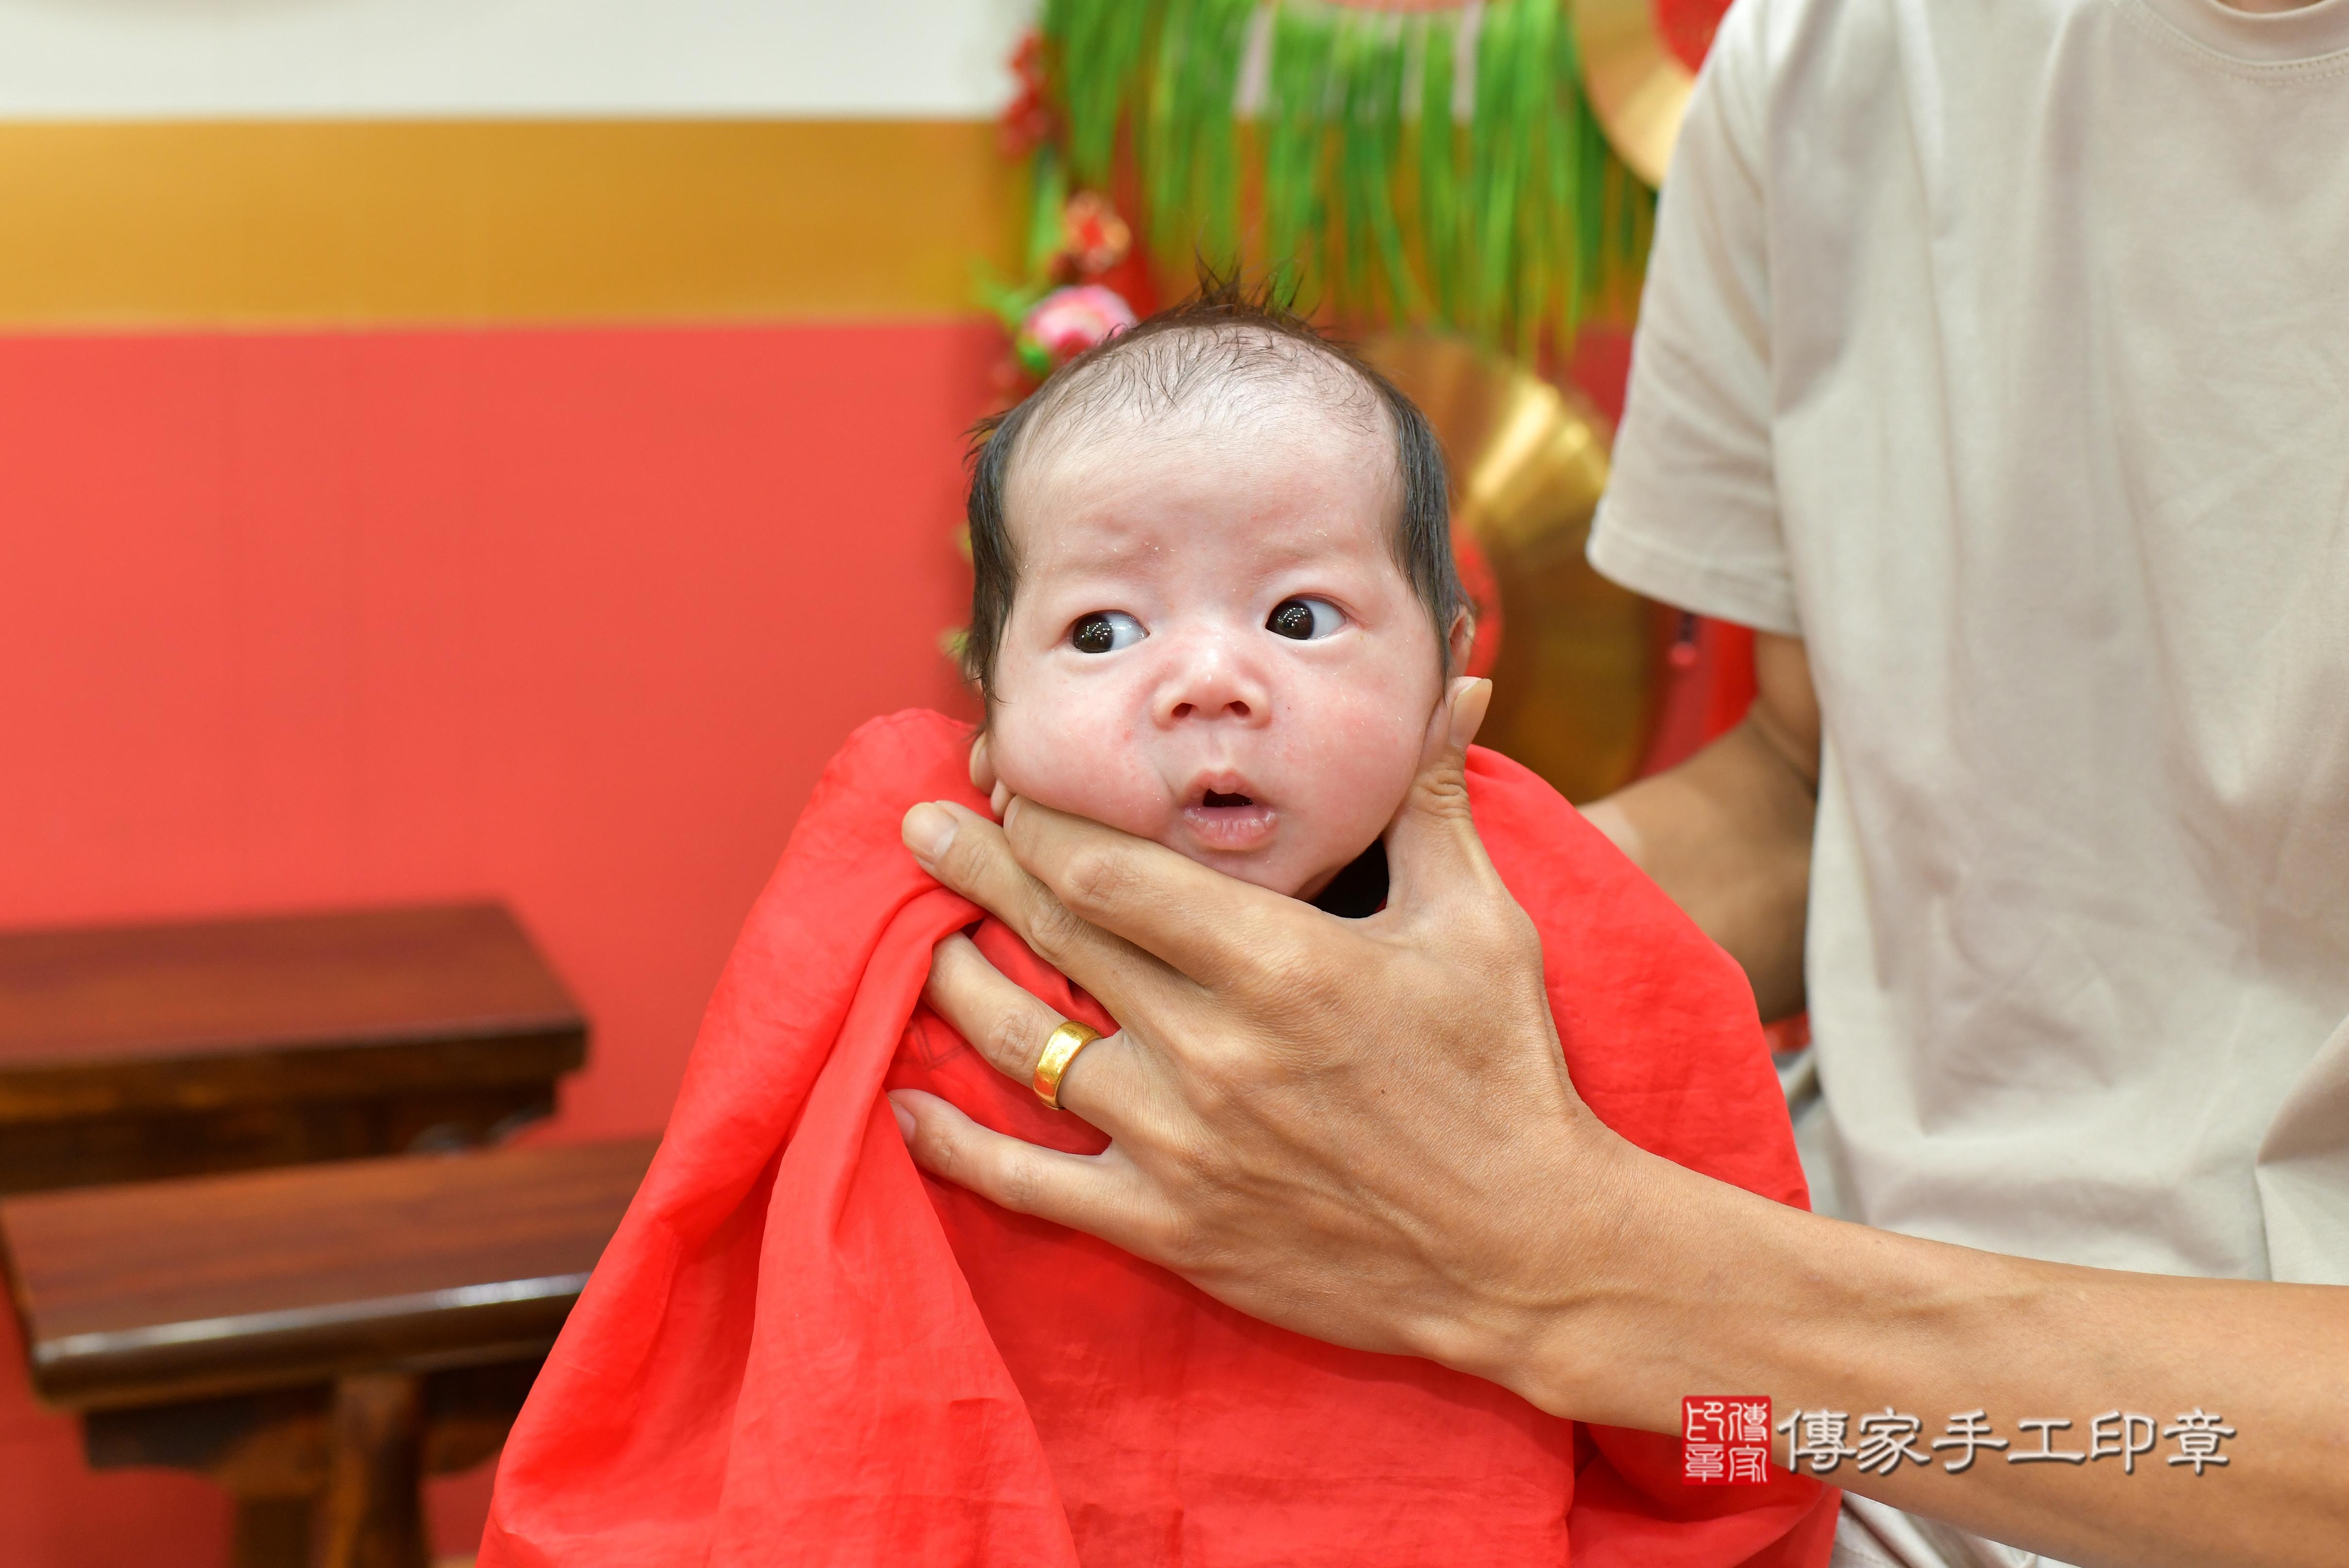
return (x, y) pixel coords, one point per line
(1097, 559)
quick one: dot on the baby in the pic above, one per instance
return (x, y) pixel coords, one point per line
(1214, 606)
(1215, 602)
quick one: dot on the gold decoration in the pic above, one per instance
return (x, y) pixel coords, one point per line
(1576, 684)
(1639, 87)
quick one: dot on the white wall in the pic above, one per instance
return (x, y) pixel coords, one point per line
(116, 59)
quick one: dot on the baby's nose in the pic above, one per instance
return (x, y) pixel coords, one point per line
(1208, 682)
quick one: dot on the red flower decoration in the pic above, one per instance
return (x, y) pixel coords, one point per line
(1093, 238)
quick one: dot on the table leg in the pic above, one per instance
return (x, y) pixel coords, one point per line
(271, 1533)
(374, 1513)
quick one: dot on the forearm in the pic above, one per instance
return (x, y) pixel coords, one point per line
(1724, 1292)
(1727, 834)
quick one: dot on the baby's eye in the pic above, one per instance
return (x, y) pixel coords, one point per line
(1105, 631)
(1305, 619)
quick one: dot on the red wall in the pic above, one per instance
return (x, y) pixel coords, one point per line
(568, 618)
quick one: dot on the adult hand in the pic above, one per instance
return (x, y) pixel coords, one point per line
(1363, 1130)
(1251, 1094)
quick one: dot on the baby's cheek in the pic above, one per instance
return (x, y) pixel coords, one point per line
(1358, 749)
(1081, 757)
(1376, 727)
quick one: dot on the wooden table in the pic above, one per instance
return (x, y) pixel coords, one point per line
(327, 1334)
(133, 1052)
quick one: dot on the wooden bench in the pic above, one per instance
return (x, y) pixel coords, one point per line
(325, 1334)
(128, 1053)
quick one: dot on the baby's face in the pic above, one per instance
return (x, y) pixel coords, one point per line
(1212, 646)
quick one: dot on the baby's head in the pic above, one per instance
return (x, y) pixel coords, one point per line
(1215, 602)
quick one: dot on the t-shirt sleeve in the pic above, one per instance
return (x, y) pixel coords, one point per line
(1690, 514)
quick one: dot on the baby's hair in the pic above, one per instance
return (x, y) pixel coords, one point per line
(1226, 336)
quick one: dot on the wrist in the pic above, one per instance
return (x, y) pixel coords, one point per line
(1570, 1323)
(1636, 1336)
(1672, 1286)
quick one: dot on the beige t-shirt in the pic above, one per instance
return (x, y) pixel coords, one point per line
(1999, 349)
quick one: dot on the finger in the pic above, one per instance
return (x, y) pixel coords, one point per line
(1433, 851)
(1213, 929)
(1008, 1026)
(1003, 1020)
(1100, 1194)
(982, 765)
(967, 853)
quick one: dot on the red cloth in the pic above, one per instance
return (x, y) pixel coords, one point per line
(798, 1349)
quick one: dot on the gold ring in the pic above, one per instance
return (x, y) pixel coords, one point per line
(1060, 1048)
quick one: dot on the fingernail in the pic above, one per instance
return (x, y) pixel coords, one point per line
(904, 1120)
(927, 830)
(1468, 710)
(999, 799)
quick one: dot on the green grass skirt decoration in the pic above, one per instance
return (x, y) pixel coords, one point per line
(1433, 168)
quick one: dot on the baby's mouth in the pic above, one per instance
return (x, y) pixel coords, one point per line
(1228, 819)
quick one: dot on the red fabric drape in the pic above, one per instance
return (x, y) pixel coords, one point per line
(797, 1349)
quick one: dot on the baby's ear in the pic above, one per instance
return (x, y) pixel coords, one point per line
(1462, 639)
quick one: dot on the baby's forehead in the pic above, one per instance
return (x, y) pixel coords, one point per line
(1221, 481)
(1192, 443)
(1261, 429)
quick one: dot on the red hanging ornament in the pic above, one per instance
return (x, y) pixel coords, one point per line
(1029, 122)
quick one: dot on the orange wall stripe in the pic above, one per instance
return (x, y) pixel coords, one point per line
(265, 223)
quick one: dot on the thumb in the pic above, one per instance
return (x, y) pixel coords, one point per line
(1432, 844)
